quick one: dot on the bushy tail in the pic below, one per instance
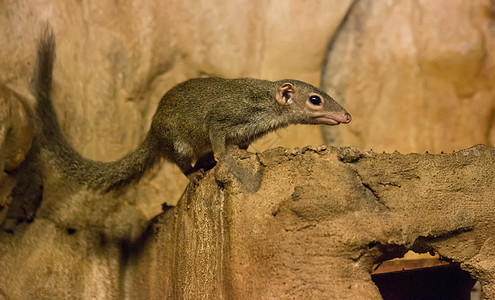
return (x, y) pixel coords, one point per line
(42, 86)
(97, 175)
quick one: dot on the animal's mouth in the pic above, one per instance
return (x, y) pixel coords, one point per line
(334, 118)
(327, 121)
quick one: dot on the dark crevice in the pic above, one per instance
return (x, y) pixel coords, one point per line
(423, 243)
(28, 191)
(389, 251)
(367, 186)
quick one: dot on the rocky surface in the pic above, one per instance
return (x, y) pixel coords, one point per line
(415, 75)
(283, 223)
(318, 222)
(16, 135)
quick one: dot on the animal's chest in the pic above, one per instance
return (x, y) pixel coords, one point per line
(249, 132)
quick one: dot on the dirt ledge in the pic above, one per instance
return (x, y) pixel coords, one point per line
(285, 223)
(318, 222)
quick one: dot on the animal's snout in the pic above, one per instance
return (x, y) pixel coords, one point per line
(347, 118)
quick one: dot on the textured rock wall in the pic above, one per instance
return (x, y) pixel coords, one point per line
(15, 141)
(415, 75)
(316, 222)
(318, 232)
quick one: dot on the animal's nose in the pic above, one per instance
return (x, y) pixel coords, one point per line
(347, 118)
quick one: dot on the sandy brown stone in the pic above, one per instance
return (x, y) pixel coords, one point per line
(299, 223)
(415, 75)
(318, 224)
(16, 134)
(314, 228)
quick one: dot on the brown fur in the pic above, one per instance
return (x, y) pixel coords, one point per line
(193, 119)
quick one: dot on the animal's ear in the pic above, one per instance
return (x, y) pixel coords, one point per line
(284, 93)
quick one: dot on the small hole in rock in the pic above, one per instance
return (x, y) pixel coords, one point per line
(423, 276)
(71, 231)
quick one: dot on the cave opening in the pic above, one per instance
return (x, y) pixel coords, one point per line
(424, 276)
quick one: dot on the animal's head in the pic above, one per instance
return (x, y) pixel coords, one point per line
(309, 105)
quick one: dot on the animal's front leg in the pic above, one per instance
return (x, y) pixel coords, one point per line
(217, 139)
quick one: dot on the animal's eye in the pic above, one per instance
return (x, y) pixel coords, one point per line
(315, 100)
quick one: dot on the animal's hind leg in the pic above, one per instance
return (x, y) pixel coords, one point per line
(185, 166)
(181, 154)
(205, 162)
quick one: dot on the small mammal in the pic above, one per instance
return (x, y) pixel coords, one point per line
(195, 121)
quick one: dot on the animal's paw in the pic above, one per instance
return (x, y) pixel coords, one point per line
(196, 177)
